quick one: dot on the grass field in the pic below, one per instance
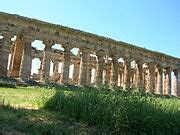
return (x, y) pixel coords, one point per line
(21, 111)
(78, 110)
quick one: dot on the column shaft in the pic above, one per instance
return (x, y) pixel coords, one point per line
(16, 57)
(139, 76)
(159, 81)
(177, 83)
(84, 67)
(127, 66)
(66, 66)
(76, 73)
(56, 74)
(115, 71)
(4, 54)
(168, 82)
(46, 63)
(55, 67)
(25, 70)
(108, 73)
(99, 69)
(151, 78)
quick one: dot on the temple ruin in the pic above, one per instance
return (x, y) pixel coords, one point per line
(115, 63)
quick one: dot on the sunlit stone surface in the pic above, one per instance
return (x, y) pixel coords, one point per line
(99, 61)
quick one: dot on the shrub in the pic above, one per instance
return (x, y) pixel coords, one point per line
(117, 112)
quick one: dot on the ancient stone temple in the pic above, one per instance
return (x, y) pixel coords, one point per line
(113, 62)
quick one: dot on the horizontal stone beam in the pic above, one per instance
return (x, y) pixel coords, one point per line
(59, 34)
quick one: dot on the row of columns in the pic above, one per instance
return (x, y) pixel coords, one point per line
(82, 71)
(4, 53)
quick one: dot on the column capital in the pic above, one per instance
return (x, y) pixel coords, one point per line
(100, 53)
(28, 39)
(128, 59)
(176, 71)
(115, 56)
(67, 49)
(85, 49)
(48, 43)
(151, 64)
(67, 46)
(167, 69)
(159, 67)
(55, 61)
(139, 62)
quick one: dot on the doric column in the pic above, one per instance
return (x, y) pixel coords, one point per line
(84, 67)
(16, 57)
(176, 82)
(133, 77)
(168, 82)
(89, 74)
(55, 66)
(12, 51)
(139, 75)
(25, 68)
(100, 68)
(56, 75)
(127, 70)
(4, 53)
(66, 64)
(41, 65)
(121, 77)
(151, 78)
(114, 71)
(107, 76)
(46, 61)
(159, 81)
(76, 72)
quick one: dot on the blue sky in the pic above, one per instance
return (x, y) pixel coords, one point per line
(153, 24)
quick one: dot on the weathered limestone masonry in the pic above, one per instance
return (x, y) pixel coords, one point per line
(114, 63)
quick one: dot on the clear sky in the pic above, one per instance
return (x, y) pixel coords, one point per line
(153, 24)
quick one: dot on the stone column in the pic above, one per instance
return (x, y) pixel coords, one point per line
(100, 68)
(25, 70)
(66, 65)
(4, 54)
(46, 62)
(133, 77)
(108, 72)
(84, 66)
(127, 70)
(168, 82)
(12, 51)
(121, 78)
(55, 76)
(115, 71)
(16, 57)
(151, 78)
(76, 72)
(159, 81)
(40, 68)
(139, 75)
(55, 67)
(89, 74)
(176, 82)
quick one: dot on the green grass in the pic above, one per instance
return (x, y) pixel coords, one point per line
(24, 97)
(21, 111)
(75, 110)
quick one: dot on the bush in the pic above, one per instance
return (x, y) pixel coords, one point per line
(118, 112)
